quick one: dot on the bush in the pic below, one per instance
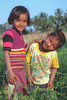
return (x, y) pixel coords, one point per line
(60, 81)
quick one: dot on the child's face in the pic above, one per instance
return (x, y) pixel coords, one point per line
(50, 43)
(20, 23)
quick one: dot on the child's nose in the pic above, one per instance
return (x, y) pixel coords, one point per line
(21, 23)
(49, 44)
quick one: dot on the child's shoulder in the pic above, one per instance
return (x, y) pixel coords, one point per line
(53, 53)
(33, 45)
(8, 32)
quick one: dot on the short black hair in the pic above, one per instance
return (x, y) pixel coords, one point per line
(15, 13)
(60, 37)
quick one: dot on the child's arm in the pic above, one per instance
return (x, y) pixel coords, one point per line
(53, 73)
(30, 78)
(34, 41)
(11, 75)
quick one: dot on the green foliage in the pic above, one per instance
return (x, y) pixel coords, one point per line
(2, 69)
(60, 81)
(2, 28)
(43, 22)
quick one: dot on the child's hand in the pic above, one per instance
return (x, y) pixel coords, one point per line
(50, 84)
(38, 41)
(34, 41)
(11, 77)
(31, 80)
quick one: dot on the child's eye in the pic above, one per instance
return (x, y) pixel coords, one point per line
(25, 20)
(17, 20)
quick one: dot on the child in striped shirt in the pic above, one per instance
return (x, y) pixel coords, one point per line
(14, 50)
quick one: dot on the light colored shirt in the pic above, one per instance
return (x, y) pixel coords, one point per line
(41, 63)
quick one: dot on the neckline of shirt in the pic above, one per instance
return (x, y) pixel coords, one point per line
(17, 31)
(42, 53)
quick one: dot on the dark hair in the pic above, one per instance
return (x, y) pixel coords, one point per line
(60, 37)
(15, 13)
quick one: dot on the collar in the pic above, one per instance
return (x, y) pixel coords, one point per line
(17, 31)
(40, 52)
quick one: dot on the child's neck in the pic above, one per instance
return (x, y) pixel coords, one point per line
(16, 29)
(41, 48)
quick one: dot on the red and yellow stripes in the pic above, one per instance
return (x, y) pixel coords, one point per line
(17, 57)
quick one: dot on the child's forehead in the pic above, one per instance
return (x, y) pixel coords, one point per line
(53, 37)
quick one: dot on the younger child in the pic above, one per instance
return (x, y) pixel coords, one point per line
(14, 50)
(42, 56)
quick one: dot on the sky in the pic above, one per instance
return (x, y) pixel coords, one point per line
(35, 7)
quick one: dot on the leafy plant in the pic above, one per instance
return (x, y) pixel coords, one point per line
(60, 81)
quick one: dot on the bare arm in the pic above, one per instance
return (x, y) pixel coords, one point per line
(53, 73)
(34, 41)
(11, 75)
(30, 78)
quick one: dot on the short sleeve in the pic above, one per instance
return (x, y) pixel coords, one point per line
(28, 56)
(7, 40)
(55, 63)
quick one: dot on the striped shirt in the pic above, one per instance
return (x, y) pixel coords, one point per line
(8, 40)
(14, 43)
(17, 57)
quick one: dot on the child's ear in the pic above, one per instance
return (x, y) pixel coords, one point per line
(47, 35)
